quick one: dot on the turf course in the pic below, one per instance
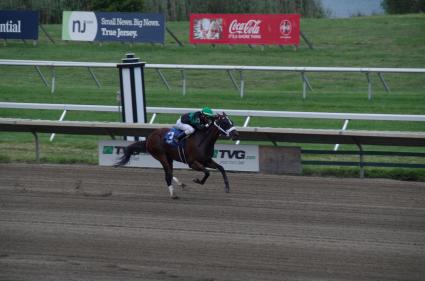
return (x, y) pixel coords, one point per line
(383, 41)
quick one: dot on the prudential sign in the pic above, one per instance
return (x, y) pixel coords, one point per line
(19, 25)
(102, 26)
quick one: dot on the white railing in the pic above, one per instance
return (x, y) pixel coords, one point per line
(232, 112)
(228, 68)
(359, 138)
(248, 114)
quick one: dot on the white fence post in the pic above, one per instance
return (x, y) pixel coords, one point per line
(369, 86)
(53, 80)
(52, 136)
(245, 124)
(242, 87)
(344, 127)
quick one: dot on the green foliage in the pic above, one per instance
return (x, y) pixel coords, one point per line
(116, 5)
(181, 9)
(403, 7)
(353, 172)
(175, 10)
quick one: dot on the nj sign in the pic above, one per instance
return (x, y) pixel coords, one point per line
(103, 26)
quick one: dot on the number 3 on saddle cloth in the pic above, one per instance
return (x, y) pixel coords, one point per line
(171, 135)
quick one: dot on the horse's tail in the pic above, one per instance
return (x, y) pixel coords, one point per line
(134, 148)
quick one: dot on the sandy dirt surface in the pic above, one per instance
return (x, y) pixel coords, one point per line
(70, 222)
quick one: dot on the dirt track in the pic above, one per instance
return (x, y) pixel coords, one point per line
(94, 223)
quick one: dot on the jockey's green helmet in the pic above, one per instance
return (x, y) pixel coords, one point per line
(207, 111)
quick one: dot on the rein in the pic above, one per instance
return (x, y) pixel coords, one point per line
(225, 132)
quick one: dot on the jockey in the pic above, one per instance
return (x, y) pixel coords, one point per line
(198, 120)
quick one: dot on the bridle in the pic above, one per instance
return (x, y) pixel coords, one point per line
(225, 132)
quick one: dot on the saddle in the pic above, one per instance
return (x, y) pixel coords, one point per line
(171, 135)
(170, 138)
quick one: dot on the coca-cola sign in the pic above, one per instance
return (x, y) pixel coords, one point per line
(249, 27)
(245, 29)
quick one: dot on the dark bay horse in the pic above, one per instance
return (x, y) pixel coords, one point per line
(196, 151)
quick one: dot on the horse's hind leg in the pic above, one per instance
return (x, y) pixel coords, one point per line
(214, 165)
(199, 167)
(179, 183)
(167, 164)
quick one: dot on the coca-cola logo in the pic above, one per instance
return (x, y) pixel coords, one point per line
(249, 27)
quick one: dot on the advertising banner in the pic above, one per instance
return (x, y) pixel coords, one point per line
(231, 157)
(104, 26)
(19, 25)
(277, 29)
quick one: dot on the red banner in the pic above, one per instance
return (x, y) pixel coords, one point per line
(277, 29)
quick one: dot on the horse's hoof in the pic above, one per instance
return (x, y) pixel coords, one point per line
(227, 189)
(197, 181)
(175, 197)
(183, 185)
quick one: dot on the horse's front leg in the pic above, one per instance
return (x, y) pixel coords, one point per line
(215, 165)
(199, 167)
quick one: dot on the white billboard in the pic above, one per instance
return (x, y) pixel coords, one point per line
(231, 157)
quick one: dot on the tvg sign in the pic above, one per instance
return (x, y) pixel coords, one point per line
(230, 154)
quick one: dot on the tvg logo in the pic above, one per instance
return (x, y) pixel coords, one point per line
(222, 153)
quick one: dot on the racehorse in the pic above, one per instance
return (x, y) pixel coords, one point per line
(196, 151)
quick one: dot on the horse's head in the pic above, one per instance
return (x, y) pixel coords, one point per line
(225, 126)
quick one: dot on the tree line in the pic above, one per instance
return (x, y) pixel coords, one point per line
(174, 10)
(404, 6)
(179, 10)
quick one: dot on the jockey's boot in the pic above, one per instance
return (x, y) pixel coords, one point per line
(179, 138)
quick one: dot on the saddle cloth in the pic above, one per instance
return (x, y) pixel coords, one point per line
(171, 135)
